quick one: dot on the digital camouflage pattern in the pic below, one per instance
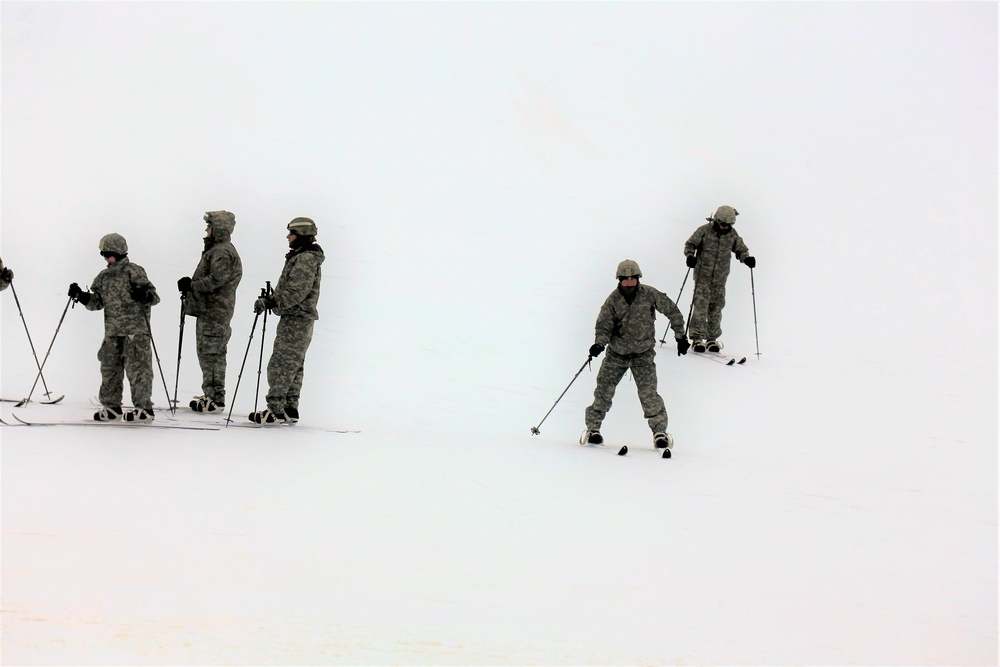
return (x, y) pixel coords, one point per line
(126, 355)
(628, 332)
(111, 291)
(714, 249)
(297, 291)
(613, 368)
(286, 367)
(631, 328)
(295, 300)
(126, 347)
(212, 300)
(218, 274)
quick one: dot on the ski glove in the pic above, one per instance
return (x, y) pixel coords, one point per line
(596, 349)
(682, 346)
(691, 261)
(78, 294)
(262, 304)
(7, 274)
(184, 285)
(750, 261)
(142, 294)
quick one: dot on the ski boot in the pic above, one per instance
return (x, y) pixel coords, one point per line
(205, 404)
(714, 346)
(663, 441)
(291, 414)
(698, 345)
(108, 414)
(267, 418)
(592, 437)
(139, 415)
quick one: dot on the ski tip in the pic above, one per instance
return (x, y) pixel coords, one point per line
(666, 454)
(623, 451)
(742, 361)
(731, 362)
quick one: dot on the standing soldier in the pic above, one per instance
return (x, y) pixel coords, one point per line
(210, 296)
(294, 300)
(708, 252)
(125, 294)
(626, 326)
(6, 276)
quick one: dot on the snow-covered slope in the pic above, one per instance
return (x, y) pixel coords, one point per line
(475, 182)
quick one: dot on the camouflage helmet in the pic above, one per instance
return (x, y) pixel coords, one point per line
(113, 243)
(628, 268)
(724, 214)
(302, 227)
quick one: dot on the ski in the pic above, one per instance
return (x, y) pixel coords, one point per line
(294, 426)
(119, 424)
(720, 358)
(622, 451)
(23, 401)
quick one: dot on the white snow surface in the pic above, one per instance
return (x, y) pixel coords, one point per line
(477, 171)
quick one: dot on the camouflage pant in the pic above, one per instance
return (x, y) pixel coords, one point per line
(706, 315)
(121, 355)
(644, 371)
(212, 342)
(287, 362)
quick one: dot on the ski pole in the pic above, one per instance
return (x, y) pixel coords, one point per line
(534, 429)
(180, 343)
(232, 400)
(58, 326)
(664, 339)
(13, 291)
(156, 354)
(753, 296)
(265, 292)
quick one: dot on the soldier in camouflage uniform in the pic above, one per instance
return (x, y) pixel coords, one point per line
(6, 276)
(708, 252)
(626, 326)
(210, 296)
(125, 294)
(294, 300)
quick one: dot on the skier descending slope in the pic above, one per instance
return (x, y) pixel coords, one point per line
(708, 252)
(626, 327)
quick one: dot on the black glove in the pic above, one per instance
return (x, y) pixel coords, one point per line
(7, 274)
(184, 285)
(263, 303)
(142, 294)
(691, 261)
(78, 294)
(596, 349)
(750, 261)
(682, 345)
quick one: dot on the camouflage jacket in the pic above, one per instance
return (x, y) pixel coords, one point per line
(218, 274)
(297, 291)
(714, 251)
(631, 328)
(112, 292)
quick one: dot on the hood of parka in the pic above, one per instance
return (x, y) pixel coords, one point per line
(223, 223)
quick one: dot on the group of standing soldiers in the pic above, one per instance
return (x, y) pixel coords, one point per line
(125, 294)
